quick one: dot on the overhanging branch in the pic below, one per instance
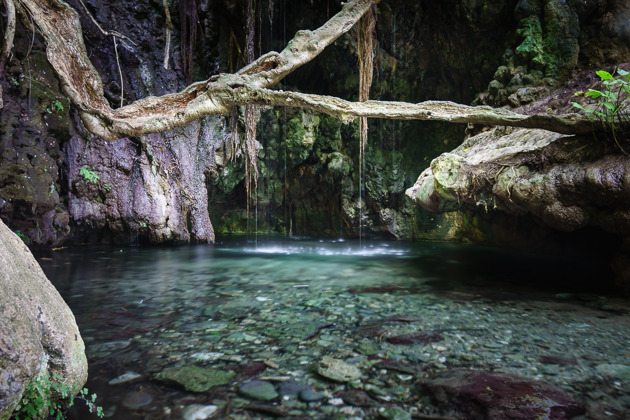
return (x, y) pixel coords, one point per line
(60, 26)
(446, 111)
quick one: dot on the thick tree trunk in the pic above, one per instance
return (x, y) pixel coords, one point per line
(60, 26)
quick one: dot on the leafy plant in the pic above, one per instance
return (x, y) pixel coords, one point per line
(20, 234)
(38, 402)
(55, 106)
(89, 175)
(610, 102)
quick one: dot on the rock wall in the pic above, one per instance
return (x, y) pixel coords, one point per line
(38, 333)
(33, 122)
(59, 184)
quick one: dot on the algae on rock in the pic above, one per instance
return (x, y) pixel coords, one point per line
(195, 378)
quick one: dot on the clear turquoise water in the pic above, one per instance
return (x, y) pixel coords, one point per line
(142, 309)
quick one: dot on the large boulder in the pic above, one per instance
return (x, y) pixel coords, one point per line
(39, 336)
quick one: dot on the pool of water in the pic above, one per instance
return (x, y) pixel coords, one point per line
(273, 310)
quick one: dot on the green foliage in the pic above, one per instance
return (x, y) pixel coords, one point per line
(89, 175)
(38, 402)
(20, 234)
(609, 102)
(55, 106)
(532, 44)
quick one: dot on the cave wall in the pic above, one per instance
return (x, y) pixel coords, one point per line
(58, 184)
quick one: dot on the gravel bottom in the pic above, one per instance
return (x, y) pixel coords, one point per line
(242, 336)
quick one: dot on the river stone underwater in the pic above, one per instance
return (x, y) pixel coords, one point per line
(342, 329)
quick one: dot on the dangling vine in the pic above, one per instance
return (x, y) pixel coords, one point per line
(169, 30)
(365, 41)
(251, 115)
(188, 28)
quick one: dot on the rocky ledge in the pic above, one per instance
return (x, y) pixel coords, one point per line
(566, 182)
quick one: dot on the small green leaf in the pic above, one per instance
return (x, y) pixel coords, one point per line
(622, 72)
(594, 93)
(604, 75)
(578, 106)
(609, 106)
(610, 96)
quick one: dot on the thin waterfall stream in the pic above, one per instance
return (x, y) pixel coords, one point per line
(265, 330)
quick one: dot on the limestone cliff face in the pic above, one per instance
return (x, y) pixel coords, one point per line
(38, 333)
(58, 183)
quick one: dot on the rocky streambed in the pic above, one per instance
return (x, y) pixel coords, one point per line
(337, 330)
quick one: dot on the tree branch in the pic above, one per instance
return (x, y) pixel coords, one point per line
(60, 26)
(347, 111)
(66, 51)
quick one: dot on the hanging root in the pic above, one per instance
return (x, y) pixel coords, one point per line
(251, 159)
(365, 41)
(234, 140)
(9, 34)
(100, 28)
(188, 18)
(251, 116)
(366, 28)
(169, 29)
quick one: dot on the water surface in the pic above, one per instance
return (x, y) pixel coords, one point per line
(272, 309)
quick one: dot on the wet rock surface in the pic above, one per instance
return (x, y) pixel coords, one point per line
(39, 337)
(319, 343)
(479, 394)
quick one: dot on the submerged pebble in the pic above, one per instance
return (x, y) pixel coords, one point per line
(337, 370)
(198, 412)
(195, 378)
(310, 395)
(125, 377)
(258, 390)
(135, 400)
